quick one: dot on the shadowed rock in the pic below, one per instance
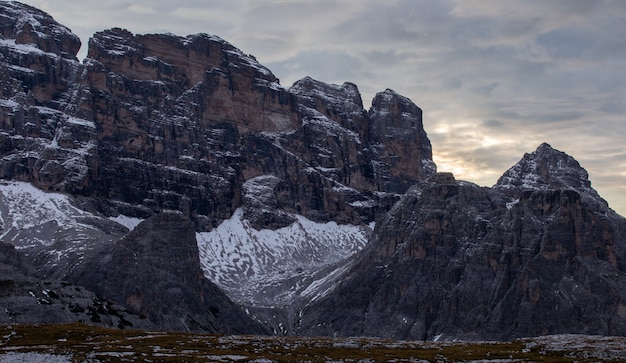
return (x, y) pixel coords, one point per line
(453, 260)
(155, 271)
(26, 299)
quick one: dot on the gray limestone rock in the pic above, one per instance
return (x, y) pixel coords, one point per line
(453, 260)
(161, 122)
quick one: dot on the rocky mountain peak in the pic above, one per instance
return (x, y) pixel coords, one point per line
(453, 260)
(26, 25)
(159, 121)
(161, 56)
(390, 100)
(546, 168)
(345, 96)
(396, 122)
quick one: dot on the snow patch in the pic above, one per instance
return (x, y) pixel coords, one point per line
(275, 86)
(128, 222)
(9, 104)
(363, 204)
(24, 48)
(81, 122)
(510, 205)
(31, 207)
(45, 222)
(33, 357)
(245, 261)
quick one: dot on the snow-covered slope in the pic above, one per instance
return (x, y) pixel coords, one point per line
(267, 268)
(272, 268)
(49, 229)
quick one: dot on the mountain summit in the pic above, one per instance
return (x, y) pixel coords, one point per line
(540, 253)
(546, 168)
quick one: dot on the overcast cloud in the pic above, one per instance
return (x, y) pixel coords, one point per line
(495, 78)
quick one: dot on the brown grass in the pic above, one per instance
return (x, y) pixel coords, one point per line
(85, 343)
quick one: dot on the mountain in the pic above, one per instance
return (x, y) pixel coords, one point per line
(154, 122)
(539, 253)
(282, 185)
(175, 176)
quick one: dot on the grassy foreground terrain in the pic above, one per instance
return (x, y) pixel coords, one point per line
(84, 343)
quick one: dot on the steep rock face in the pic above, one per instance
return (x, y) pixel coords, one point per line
(209, 131)
(228, 85)
(454, 260)
(38, 142)
(380, 150)
(396, 130)
(170, 112)
(158, 122)
(37, 55)
(337, 166)
(155, 270)
(340, 103)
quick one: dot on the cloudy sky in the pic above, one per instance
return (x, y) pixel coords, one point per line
(495, 78)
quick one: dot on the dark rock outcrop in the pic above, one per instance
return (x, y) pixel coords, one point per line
(453, 260)
(155, 271)
(26, 299)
